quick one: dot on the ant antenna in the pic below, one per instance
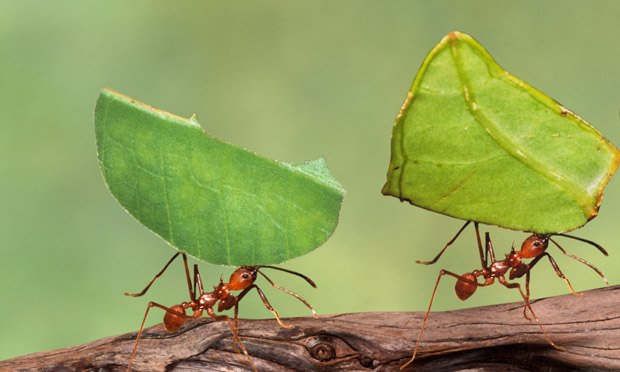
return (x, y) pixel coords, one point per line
(287, 271)
(603, 251)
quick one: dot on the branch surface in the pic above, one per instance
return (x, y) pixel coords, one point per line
(490, 338)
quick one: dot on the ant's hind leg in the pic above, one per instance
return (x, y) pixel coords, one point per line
(441, 273)
(447, 245)
(156, 276)
(146, 313)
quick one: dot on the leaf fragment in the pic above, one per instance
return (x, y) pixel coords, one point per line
(474, 142)
(213, 200)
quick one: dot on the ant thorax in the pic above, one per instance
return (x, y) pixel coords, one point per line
(499, 267)
(513, 259)
(208, 299)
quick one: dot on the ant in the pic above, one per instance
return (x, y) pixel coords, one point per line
(534, 246)
(241, 279)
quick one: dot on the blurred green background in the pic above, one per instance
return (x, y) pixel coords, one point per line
(317, 78)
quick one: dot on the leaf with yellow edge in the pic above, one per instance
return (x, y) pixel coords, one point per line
(474, 142)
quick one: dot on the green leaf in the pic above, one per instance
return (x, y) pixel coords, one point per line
(474, 142)
(213, 200)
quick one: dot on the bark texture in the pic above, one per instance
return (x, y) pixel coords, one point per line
(490, 338)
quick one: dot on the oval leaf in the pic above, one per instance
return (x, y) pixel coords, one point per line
(213, 200)
(474, 142)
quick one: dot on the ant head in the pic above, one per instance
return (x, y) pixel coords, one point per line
(534, 245)
(242, 278)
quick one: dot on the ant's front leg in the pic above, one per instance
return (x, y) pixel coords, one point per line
(265, 302)
(559, 273)
(291, 293)
(581, 259)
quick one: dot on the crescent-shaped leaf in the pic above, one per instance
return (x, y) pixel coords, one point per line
(474, 142)
(213, 200)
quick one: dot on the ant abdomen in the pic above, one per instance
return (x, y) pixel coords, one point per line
(173, 321)
(464, 289)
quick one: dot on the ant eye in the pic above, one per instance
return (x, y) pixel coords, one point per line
(537, 244)
(245, 276)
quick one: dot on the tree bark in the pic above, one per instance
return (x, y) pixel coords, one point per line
(491, 338)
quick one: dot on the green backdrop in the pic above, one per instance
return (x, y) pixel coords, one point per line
(291, 80)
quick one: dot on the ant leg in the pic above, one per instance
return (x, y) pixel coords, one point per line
(527, 291)
(265, 302)
(528, 274)
(441, 273)
(156, 276)
(581, 259)
(527, 303)
(559, 272)
(234, 331)
(489, 249)
(447, 245)
(198, 280)
(149, 306)
(291, 293)
(189, 283)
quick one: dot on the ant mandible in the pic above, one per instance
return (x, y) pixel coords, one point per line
(241, 279)
(534, 246)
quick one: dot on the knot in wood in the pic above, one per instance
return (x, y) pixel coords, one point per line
(323, 352)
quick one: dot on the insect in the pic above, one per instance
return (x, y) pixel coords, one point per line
(241, 279)
(534, 246)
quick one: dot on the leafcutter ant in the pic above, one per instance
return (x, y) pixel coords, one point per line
(534, 246)
(241, 279)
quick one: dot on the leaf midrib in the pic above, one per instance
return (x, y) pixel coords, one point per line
(575, 191)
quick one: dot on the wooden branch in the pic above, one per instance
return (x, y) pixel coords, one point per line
(490, 338)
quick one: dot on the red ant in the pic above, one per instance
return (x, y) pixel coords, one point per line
(241, 279)
(533, 247)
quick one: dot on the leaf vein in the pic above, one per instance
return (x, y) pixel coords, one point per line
(165, 187)
(224, 212)
(510, 147)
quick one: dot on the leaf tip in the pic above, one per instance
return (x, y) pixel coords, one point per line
(318, 167)
(454, 35)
